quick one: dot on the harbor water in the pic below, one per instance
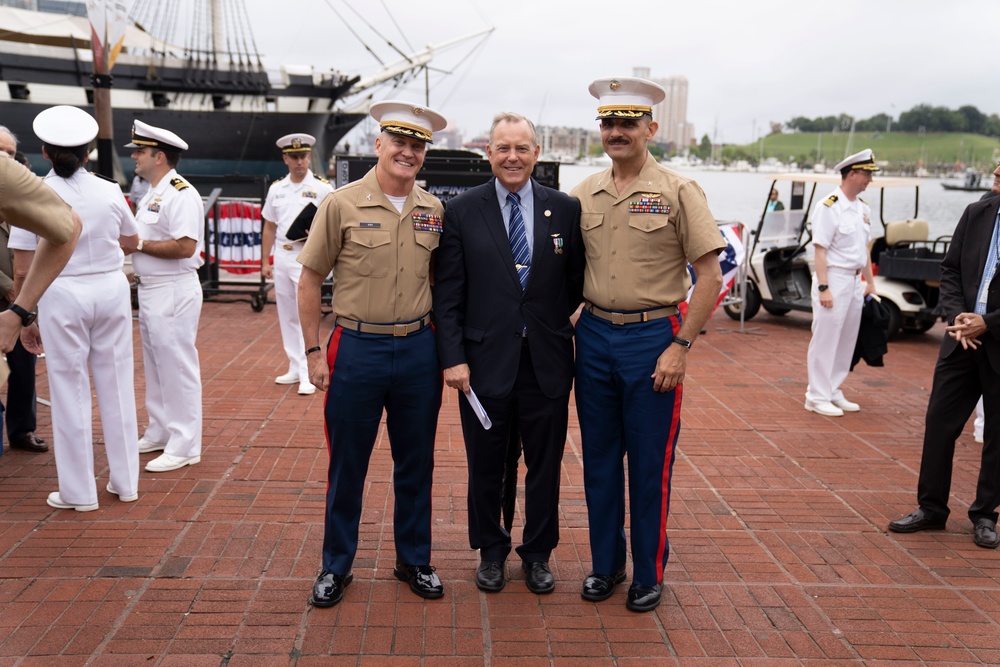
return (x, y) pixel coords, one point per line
(740, 196)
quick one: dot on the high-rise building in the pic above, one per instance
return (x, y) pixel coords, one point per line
(670, 114)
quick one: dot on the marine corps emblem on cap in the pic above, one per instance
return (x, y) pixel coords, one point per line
(296, 143)
(626, 97)
(405, 119)
(864, 160)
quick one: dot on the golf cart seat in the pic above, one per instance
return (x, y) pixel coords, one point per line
(905, 231)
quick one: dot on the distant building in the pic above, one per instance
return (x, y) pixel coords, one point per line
(674, 131)
(565, 143)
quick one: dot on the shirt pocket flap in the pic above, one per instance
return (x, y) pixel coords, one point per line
(371, 238)
(590, 221)
(648, 222)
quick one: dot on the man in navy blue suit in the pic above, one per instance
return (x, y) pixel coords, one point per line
(509, 275)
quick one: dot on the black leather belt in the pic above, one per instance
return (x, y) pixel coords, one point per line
(398, 330)
(633, 317)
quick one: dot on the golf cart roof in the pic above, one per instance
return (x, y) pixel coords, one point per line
(877, 182)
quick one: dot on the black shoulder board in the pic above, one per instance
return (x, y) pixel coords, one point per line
(862, 200)
(106, 178)
(179, 183)
(322, 180)
(280, 178)
(830, 201)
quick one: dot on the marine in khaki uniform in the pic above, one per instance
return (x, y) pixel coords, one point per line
(642, 225)
(286, 199)
(378, 235)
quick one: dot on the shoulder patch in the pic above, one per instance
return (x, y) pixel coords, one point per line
(830, 201)
(103, 177)
(179, 183)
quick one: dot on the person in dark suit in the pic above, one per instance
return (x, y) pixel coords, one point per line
(509, 275)
(967, 367)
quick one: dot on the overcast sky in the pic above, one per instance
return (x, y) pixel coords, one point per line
(747, 62)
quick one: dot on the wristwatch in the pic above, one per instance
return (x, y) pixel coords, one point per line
(822, 287)
(138, 246)
(27, 317)
(683, 342)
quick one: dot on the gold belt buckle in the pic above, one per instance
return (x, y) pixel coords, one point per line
(287, 246)
(618, 318)
(399, 330)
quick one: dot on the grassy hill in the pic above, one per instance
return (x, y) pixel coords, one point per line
(933, 149)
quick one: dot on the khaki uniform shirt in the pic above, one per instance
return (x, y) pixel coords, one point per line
(640, 242)
(28, 203)
(380, 258)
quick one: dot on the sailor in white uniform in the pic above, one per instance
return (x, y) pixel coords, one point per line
(286, 199)
(841, 230)
(166, 260)
(85, 318)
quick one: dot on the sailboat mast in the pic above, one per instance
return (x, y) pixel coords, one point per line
(218, 28)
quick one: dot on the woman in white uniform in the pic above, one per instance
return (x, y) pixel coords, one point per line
(85, 317)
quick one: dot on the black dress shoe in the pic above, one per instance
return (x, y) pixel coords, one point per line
(539, 577)
(29, 443)
(422, 580)
(918, 520)
(329, 589)
(986, 534)
(643, 598)
(490, 576)
(597, 587)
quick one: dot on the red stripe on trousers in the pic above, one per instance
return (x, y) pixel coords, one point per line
(331, 359)
(675, 422)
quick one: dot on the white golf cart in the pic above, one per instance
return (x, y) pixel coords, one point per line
(780, 263)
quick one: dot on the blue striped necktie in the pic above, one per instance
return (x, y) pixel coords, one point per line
(518, 239)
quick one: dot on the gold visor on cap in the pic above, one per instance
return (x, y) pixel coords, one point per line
(406, 130)
(623, 111)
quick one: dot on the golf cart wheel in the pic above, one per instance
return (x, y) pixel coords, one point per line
(895, 319)
(776, 310)
(751, 303)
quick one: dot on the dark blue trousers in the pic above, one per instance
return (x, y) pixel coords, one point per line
(621, 415)
(369, 373)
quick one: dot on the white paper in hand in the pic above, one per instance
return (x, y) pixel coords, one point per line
(478, 408)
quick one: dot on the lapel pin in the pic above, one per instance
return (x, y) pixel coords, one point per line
(548, 213)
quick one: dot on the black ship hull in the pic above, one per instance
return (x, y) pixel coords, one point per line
(221, 142)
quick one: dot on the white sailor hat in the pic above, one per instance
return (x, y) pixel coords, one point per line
(296, 143)
(408, 120)
(626, 97)
(863, 160)
(65, 126)
(144, 134)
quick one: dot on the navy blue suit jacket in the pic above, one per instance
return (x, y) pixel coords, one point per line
(479, 307)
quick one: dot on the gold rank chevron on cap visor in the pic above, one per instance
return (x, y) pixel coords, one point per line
(623, 111)
(406, 130)
(299, 149)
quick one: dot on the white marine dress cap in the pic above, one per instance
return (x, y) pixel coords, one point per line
(406, 119)
(626, 97)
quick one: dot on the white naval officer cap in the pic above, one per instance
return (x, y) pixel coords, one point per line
(65, 126)
(626, 97)
(408, 120)
(144, 134)
(296, 143)
(863, 160)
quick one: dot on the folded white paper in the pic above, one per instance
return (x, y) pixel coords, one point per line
(478, 408)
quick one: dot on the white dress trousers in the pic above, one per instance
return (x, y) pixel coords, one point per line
(169, 310)
(286, 295)
(87, 319)
(834, 334)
